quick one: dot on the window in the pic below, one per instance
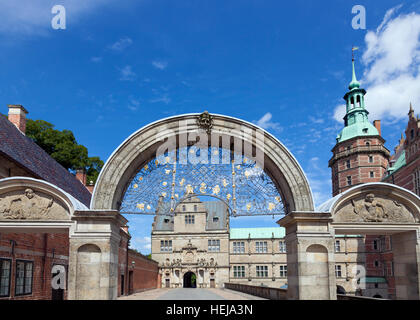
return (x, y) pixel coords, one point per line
(5, 266)
(367, 144)
(338, 271)
(261, 247)
(214, 245)
(348, 164)
(195, 208)
(166, 245)
(370, 159)
(349, 181)
(282, 246)
(215, 219)
(337, 246)
(189, 219)
(376, 244)
(239, 271)
(372, 174)
(262, 272)
(365, 130)
(283, 271)
(23, 283)
(239, 247)
(412, 134)
(184, 208)
(377, 263)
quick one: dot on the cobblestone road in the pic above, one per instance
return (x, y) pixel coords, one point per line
(190, 294)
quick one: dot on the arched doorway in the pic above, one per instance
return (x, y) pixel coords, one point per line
(341, 290)
(139, 157)
(190, 280)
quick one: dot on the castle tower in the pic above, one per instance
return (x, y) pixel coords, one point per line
(359, 155)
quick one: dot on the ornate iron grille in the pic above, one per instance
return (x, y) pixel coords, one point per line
(235, 179)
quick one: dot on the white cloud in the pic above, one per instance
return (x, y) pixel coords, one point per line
(127, 74)
(134, 104)
(121, 44)
(316, 120)
(161, 65)
(266, 123)
(96, 59)
(165, 99)
(31, 17)
(142, 244)
(392, 67)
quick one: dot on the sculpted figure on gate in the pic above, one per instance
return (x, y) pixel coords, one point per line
(371, 208)
(30, 206)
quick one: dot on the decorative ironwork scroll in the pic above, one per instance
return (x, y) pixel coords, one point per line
(240, 182)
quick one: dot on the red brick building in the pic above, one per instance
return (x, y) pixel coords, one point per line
(404, 169)
(360, 157)
(27, 261)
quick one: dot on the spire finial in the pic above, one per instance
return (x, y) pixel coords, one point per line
(411, 111)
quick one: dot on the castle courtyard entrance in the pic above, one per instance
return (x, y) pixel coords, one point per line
(190, 280)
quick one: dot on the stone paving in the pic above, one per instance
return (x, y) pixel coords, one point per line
(190, 294)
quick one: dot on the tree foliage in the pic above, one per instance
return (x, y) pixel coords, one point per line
(63, 147)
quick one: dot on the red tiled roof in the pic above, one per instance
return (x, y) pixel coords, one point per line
(26, 153)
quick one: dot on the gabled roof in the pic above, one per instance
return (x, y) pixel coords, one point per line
(27, 154)
(399, 163)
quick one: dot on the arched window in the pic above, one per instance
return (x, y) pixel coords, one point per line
(358, 101)
(352, 102)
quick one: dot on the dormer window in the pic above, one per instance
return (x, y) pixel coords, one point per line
(166, 220)
(215, 219)
(365, 130)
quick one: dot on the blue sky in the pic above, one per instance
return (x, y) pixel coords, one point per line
(120, 65)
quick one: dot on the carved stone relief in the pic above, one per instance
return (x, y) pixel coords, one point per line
(30, 205)
(374, 209)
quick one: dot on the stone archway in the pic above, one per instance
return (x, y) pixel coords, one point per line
(141, 147)
(373, 208)
(190, 280)
(30, 205)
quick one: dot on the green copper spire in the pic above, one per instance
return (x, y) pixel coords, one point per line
(356, 122)
(354, 84)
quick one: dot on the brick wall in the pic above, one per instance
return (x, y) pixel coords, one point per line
(143, 273)
(358, 151)
(44, 250)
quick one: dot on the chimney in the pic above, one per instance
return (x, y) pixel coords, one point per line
(81, 176)
(377, 124)
(17, 116)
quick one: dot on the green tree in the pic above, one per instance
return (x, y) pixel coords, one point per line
(63, 147)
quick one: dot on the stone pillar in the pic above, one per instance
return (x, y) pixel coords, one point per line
(93, 256)
(310, 256)
(406, 254)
